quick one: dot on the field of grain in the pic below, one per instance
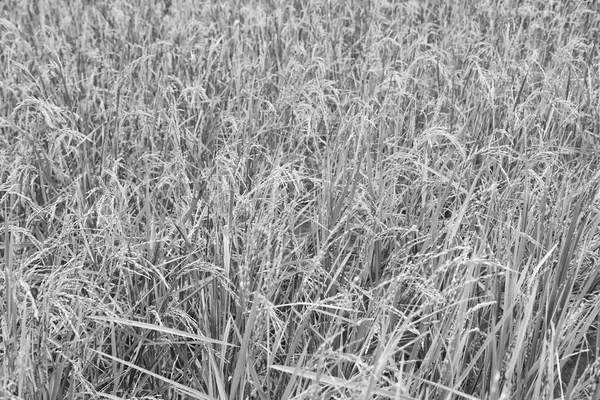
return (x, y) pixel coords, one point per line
(308, 199)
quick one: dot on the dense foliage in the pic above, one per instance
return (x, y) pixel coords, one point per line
(299, 199)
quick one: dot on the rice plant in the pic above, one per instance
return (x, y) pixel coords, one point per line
(308, 199)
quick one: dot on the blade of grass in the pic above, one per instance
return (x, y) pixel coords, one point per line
(242, 355)
(162, 329)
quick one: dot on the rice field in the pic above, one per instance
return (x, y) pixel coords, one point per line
(307, 199)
